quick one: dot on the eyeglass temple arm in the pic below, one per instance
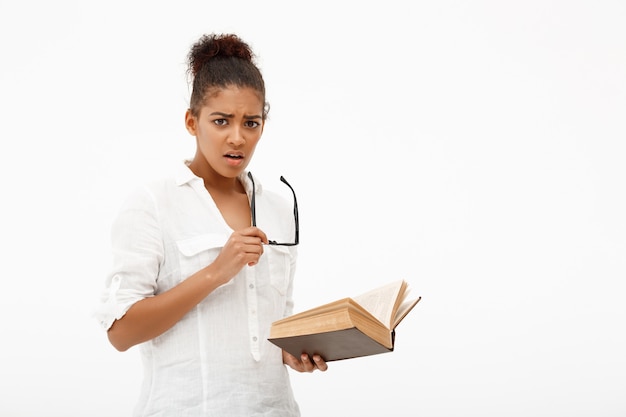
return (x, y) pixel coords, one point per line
(295, 208)
(295, 205)
(252, 202)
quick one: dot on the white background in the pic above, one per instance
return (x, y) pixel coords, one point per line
(475, 149)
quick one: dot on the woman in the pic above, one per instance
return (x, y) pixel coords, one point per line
(194, 282)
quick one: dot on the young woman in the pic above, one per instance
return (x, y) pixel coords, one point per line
(195, 283)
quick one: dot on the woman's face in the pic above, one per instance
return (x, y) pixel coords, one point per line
(227, 130)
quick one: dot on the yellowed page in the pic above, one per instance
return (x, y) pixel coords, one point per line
(381, 302)
(404, 309)
(317, 311)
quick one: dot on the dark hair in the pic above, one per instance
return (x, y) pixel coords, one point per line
(218, 61)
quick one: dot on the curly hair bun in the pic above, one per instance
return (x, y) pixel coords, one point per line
(214, 46)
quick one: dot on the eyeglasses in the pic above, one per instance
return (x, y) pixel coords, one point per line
(295, 212)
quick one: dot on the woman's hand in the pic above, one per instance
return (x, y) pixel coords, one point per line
(243, 247)
(305, 363)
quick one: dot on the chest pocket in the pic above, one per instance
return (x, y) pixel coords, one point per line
(279, 263)
(199, 251)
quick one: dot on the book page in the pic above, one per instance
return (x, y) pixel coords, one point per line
(381, 302)
(317, 311)
(404, 309)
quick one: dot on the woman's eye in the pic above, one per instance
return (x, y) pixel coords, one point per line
(220, 122)
(251, 123)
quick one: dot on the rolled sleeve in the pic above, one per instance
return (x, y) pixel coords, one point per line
(137, 250)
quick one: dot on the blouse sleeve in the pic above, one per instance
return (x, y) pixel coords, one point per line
(137, 252)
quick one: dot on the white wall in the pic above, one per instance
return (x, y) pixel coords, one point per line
(475, 149)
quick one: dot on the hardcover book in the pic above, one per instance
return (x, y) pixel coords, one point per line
(347, 328)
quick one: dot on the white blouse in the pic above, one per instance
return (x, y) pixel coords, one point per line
(216, 361)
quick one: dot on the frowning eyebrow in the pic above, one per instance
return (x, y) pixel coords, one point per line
(230, 116)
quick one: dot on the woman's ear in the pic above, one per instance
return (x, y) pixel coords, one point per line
(190, 122)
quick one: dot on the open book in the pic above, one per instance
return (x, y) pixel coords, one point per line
(347, 328)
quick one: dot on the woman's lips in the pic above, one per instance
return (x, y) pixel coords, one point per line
(234, 159)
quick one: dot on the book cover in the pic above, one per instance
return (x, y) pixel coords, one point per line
(333, 346)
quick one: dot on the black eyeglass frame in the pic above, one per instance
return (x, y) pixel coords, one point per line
(295, 212)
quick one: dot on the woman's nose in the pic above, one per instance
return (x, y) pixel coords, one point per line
(236, 137)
